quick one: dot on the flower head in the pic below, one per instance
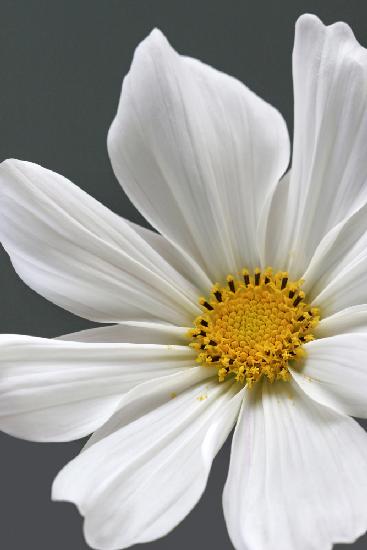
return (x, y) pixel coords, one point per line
(247, 308)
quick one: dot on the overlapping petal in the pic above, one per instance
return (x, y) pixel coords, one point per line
(55, 390)
(196, 152)
(335, 279)
(81, 256)
(132, 332)
(329, 176)
(335, 374)
(298, 474)
(147, 469)
(350, 319)
(270, 233)
(178, 258)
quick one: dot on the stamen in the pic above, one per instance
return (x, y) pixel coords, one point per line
(246, 277)
(218, 295)
(297, 300)
(230, 282)
(206, 304)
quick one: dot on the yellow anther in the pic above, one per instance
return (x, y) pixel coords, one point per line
(254, 326)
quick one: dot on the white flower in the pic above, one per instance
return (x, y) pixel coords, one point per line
(202, 157)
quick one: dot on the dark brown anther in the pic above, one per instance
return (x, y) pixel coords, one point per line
(291, 294)
(284, 283)
(246, 278)
(301, 318)
(208, 306)
(204, 323)
(215, 359)
(212, 343)
(257, 279)
(267, 280)
(218, 295)
(297, 301)
(231, 285)
(202, 333)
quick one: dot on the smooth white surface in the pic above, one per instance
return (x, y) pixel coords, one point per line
(335, 373)
(53, 390)
(79, 255)
(329, 172)
(144, 476)
(197, 152)
(132, 332)
(298, 474)
(350, 319)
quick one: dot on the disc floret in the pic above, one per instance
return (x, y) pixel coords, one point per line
(254, 326)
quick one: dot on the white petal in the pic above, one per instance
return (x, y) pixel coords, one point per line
(329, 172)
(351, 319)
(348, 289)
(81, 256)
(335, 373)
(196, 152)
(346, 292)
(52, 390)
(336, 276)
(179, 259)
(272, 225)
(132, 333)
(297, 476)
(144, 476)
(149, 395)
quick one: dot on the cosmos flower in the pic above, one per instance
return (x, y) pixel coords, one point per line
(248, 308)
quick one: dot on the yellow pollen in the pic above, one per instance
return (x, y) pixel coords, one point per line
(254, 326)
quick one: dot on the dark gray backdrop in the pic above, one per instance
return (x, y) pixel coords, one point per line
(61, 67)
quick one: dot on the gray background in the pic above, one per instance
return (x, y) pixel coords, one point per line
(62, 64)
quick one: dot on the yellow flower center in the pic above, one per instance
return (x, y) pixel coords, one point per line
(254, 326)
